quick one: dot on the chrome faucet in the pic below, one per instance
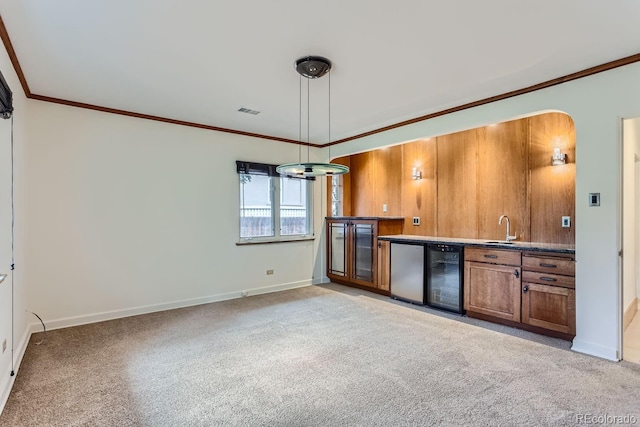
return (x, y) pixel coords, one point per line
(509, 238)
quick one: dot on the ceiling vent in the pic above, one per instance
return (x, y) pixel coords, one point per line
(248, 111)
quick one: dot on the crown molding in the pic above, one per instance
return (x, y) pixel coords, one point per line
(559, 80)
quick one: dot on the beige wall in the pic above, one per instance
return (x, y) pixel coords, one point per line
(18, 296)
(127, 215)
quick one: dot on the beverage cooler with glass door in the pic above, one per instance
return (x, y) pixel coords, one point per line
(444, 277)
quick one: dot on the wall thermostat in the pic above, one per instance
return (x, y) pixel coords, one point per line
(594, 199)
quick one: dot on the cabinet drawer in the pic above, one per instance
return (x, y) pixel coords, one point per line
(549, 265)
(549, 279)
(493, 256)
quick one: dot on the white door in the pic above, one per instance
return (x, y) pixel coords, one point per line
(630, 240)
(5, 247)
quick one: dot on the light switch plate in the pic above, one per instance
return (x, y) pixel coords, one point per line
(594, 199)
(384, 207)
(566, 222)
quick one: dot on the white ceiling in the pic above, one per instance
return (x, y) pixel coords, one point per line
(199, 61)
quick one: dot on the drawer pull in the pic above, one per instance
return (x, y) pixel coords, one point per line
(548, 279)
(542, 264)
(491, 256)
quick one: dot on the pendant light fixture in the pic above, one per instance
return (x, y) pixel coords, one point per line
(311, 67)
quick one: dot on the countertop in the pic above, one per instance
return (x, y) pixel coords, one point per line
(484, 243)
(365, 217)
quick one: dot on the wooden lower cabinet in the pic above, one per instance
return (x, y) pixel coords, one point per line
(384, 265)
(549, 307)
(493, 290)
(534, 291)
(548, 291)
(353, 253)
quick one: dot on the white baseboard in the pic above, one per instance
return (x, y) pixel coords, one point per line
(595, 350)
(134, 311)
(629, 313)
(18, 355)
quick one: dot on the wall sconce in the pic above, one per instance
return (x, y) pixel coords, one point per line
(416, 174)
(558, 158)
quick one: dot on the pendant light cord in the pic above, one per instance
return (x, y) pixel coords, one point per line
(308, 119)
(329, 142)
(13, 217)
(300, 119)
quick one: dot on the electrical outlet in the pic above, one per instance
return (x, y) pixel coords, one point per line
(269, 272)
(4, 345)
(566, 222)
(416, 220)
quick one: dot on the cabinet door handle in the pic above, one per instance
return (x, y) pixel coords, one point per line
(548, 279)
(379, 245)
(525, 289)
(542, 264)
(491, 256)
(516, 273)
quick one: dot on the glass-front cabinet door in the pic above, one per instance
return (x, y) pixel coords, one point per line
(363, 240)
(338, 246)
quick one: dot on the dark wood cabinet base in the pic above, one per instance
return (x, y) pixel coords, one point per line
(364, 288)
(522, 326)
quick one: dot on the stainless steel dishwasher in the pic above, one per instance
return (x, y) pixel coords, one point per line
(407, 272)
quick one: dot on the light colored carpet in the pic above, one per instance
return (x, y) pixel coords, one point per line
(316, 356)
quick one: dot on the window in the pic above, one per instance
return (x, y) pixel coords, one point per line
(336, 195)
(268, 199)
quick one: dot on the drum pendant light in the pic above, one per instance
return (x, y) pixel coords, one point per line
(311, 67)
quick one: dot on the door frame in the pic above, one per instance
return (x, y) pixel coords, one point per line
(621, 229)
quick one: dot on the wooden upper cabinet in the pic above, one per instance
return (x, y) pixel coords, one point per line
(456, 171)
(375, 181)
(362, 184)
(502, 180)
(552, 187)
(418, 197)
(387, 181)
